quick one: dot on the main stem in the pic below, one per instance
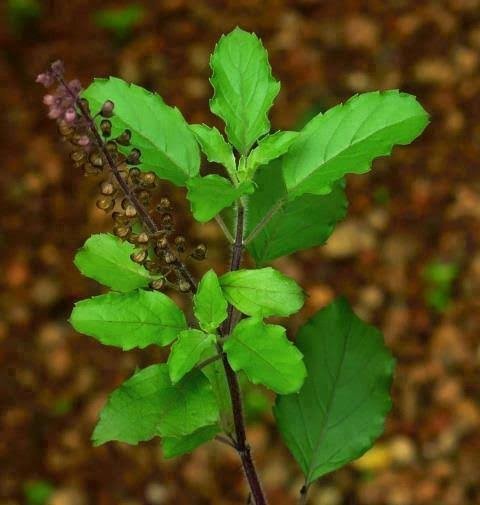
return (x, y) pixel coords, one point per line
(241, 444)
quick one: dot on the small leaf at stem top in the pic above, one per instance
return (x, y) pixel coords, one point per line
(244, 87)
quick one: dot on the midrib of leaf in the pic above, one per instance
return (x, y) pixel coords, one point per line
(324, 426)
(140, 322)
(123, 266)
(325, 161)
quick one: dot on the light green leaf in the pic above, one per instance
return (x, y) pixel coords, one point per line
(266, 356)
(148, 404)
(129, 320)
(214, 146)
(210, 306)
(347, 138)
(244, 87)
(173, 447)
(341, 408)
(186, 352)
(307, 221)
(263, 292)
(269, 148)
(215, 372)
(160, 132)
(106, 259)
(209, 195)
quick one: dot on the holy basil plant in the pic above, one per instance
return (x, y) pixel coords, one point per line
(272, 194)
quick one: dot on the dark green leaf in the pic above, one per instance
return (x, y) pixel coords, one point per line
(160, 132)
(106, 259)
(148, 404)
(266, 356)
(129, 320)
(341, 408)
(347, 138)
(305, 222)
(244, 87)
(173, 447)
(263, 292)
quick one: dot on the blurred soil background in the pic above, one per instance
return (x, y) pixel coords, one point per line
(407, 256)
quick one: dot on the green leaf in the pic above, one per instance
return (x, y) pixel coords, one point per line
(209, 195)
(216, 149)
(305, 222)
(148, 404)
(263, 292)
(106, 259)
(161, 133)
(173, 447)
(266, 356)
(210, 306)
(186, 352)
(129, 320)
(347, 138)
(215, 372)
(269, 148)
(341, 408)
(244, 87)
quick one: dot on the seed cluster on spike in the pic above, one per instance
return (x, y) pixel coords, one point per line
(124, 191)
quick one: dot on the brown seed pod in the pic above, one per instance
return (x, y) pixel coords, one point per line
(167, 220)
(89, 169)
(130, 211)
(142, 238)
(124, 138)
(111, 147)
(107, 109)
(157, 284)
(65, 129)
(96, 159)
(151, 266)
(122, 231)
(183, 286)
(134, 157)
(78, 156)
(107, 188)
(120, 218)
(164, 205)
(200, 252)
(85, 105)
(106, 128)
(139, 256)
(144, 196)
(180, 244)
(106, 204)
(148, 179)
(162, 243)
(169, 257)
